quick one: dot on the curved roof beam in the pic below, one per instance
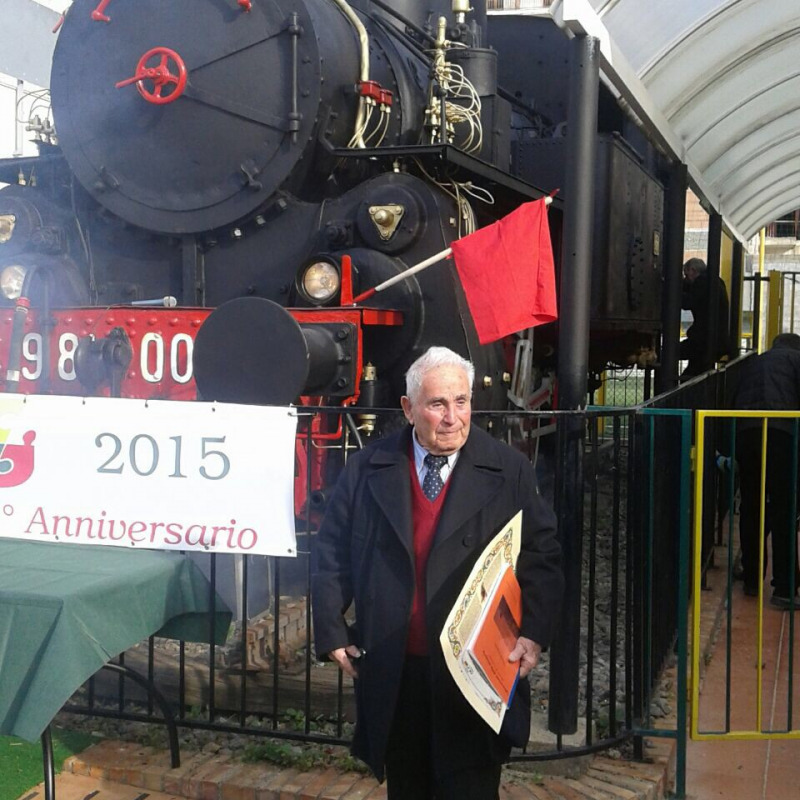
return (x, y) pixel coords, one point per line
(761, 111)
(788, 201)
(761, 69)
(717, 37)
(648, 37)
(762, 185)
(739, 181)
(749, 206)
(603, 6)
(749, 148)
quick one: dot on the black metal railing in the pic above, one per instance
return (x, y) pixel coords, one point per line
(267, 682)
(790, 299)
(757, 288)
(635, 560)
(711, 390)
(752, 321)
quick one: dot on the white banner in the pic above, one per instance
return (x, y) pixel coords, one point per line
(157, 474)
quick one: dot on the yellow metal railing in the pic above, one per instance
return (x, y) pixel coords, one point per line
(792, 730)
(775, 306)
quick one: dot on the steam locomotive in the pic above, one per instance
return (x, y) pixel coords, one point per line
(224, 177)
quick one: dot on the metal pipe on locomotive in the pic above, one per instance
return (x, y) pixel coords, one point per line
(262, 162)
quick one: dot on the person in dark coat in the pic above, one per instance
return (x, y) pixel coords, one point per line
(769, 382)
(399, 540)
(695, 297)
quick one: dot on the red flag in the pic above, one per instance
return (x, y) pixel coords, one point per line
(508, 274)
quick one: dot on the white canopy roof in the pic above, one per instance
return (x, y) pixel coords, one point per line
(720, 80)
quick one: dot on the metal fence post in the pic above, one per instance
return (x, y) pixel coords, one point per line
(573, 361)
(715, 324)
(683, 603)
(774, 307)
(646, 649)
(675, 221)
(737, 276)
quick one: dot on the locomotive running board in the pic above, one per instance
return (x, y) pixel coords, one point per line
(448, 154)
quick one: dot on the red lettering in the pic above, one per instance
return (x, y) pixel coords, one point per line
(174, 529)
(252, 543)
(38, 519)
(57, 523)
(112, 526)
(223, 537)
(201, 528)
(80, 521)
(136, 527)
(217, 529)
(154, 526)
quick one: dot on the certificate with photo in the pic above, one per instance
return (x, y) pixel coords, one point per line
(483, 626)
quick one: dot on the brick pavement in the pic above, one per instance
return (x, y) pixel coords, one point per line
(113, 768)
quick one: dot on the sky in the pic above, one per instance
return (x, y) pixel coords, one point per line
(7, 100)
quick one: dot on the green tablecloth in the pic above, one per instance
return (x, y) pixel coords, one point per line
(65, 610)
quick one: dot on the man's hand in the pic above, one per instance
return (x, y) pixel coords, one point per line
(527, 653)
(342, 656)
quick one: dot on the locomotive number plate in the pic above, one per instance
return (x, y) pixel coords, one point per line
(162, 341)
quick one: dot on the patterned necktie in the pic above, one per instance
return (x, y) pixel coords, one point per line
(433, 484)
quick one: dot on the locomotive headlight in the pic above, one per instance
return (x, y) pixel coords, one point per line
(11, 280)
(320, 281)
(7, 222)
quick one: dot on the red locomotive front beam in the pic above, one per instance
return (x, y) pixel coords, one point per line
(161, 338)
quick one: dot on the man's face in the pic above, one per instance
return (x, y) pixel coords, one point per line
(441, 411)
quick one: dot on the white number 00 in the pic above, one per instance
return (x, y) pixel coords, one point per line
(154, 342)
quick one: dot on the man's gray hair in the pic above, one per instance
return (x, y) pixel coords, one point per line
(697, 264)
(431, 359)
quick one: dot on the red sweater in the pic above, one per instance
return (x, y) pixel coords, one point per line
(425, 517)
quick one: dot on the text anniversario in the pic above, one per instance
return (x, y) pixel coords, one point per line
(149, 533)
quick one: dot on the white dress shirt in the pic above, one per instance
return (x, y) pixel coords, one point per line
(422, 468)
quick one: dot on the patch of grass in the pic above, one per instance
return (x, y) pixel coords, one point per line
(603, 722)
(21, 761)
(303, 757)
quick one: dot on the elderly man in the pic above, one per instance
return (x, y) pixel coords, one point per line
(695, 348)
(406, 523)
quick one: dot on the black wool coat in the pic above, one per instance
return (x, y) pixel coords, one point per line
(365, 556)
(693, 348)
(769, 382)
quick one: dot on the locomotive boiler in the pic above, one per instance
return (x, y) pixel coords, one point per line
(228, 174)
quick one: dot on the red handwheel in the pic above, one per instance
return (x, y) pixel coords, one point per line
(160, 75)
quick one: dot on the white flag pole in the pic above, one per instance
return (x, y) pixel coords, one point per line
(404, 274)
(435, 259)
